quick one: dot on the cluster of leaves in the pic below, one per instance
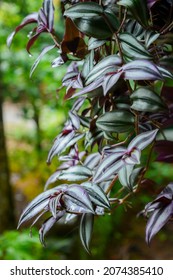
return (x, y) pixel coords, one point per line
(120, 73)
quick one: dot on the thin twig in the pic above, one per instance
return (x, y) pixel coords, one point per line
(111, 184)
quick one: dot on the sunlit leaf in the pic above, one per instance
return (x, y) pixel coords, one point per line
(55, 204)
(164, 149)
(52, 179)
(60, 144)
(88, 64)
(74, 119)
(32, 18)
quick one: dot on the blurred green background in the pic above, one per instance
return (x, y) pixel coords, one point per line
(33, 114)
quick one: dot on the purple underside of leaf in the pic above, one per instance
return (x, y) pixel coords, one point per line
(151, 206)
(32, 40)
(32, 18)
(164, 149)
(89, 88)
(150, 3)
(166, 195)
(133, 158)
(48, 224)
(157, 220)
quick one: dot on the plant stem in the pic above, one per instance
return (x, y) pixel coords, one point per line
(55, 40)
(111, 184)
(123, 21)
(168, 28)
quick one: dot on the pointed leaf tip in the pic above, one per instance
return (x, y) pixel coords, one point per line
(86, 228)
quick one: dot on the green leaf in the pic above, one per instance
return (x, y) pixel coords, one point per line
(132, 48)
(94, 43)
(138, 9)
(91, 19)
(86, 228)
(144, 99)
(84, 10)
(93, 27)
(116, 121)
(110, 14)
